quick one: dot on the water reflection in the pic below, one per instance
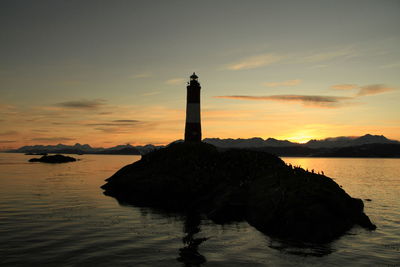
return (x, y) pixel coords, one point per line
(189, 254)
(57, 214)
(300, 248)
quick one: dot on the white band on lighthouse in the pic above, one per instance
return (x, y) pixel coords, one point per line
(193, 112)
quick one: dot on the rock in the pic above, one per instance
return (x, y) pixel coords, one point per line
(53, 159)
(235, 185)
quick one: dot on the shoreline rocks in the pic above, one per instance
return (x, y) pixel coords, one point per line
(235, 185)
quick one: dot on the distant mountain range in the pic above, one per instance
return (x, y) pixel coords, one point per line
(86, 149)
(344, 146)
(331, 142)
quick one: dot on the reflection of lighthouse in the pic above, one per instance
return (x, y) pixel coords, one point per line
(193, 126)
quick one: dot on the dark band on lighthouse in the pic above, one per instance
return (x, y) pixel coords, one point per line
(193, 120)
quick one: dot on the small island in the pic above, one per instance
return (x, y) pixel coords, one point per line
(280, 200)
(53, 159)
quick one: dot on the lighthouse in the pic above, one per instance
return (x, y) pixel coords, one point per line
(193, 124)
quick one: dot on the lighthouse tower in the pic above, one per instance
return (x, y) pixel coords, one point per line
(193, 125)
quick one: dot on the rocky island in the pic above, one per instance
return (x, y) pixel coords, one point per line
(53, 159)
(233, 185)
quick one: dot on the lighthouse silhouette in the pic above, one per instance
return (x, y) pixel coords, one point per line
(193, 124)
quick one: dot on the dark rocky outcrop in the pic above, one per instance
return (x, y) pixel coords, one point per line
(233, 185)
(53, 159)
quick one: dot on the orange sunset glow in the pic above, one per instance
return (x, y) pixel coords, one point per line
(117, 79)
(185, 133)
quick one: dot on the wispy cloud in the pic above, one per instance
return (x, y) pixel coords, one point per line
(373, 89)
(344, 86)
(83, 104)
(316, 58)
(390, 66)
(306, 100)
(175, 81)
(151, 93)
(319, 66)
(114, 123)
(7, 141)
(122, 126)
(7, 107)
(284, 83)
(41, 130)
(345, 52)
(135, 121)
(52, 139)
(366, 90)
(255, 62)
(6, 133)
(141, 75)
(321, 101)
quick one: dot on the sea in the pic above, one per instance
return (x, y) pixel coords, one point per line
(57, 215)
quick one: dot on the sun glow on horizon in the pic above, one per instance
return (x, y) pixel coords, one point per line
(301, 137)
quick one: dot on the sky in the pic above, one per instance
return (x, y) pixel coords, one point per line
(114, 72)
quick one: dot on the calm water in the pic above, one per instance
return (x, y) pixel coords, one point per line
(56, 215)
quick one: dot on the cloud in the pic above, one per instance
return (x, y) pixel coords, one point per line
(262, 60)
(344, 86)
(125, 121)
(41, 130)
(119, 126)
(306, 100)
(83, 104)
(373, 89)
(284, 83)
(318, 100)
(7, 107)
(390, 66)
(325, 56)
(115, 123)
(8, 133)
(255, 62)
(151, 93)
(175, 81)
(7, 141)
(319, 66)
(141, 75)
(52, 139)
(111, 130)
(122, 126)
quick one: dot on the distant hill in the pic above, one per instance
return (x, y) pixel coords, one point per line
(86, 149)
(343, 141)
(248, 143)
(363, 151)
(363, 146)
(344, 146)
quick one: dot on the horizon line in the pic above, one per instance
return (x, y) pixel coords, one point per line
(165, 144)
